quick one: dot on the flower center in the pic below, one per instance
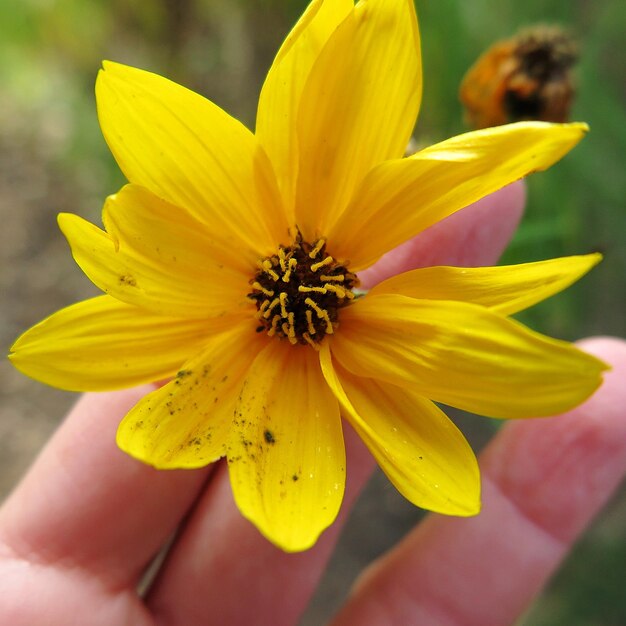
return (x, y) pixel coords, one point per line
(299, 290)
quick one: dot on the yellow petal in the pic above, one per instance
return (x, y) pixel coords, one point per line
(422, 452)
(189, 152)
(506, 289)
(153, 259)
(464, 355)
(280, 97)
(401, 198)
(102, 344)
(186, 423)
(286, 456)
(357, 109)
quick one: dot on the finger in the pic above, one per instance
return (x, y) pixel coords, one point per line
(221, 559)
(475, 236)
(86, 503)
(543, 481)
(220, 555)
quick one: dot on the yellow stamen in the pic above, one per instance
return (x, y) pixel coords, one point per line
(259, 287)
(309, 321)
(275, 320)
(291, 320)
(267, 268)
(316, 249)
(322, 314)
(273, 304)
(340, 291)
(314, 306)
(281, 259)
(292, 266)
(339, 278)
(327, 261)
(289, 330)
(283, 303)
(303, 289)
(310, 341)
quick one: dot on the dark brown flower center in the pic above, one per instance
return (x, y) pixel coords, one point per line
(299, 290)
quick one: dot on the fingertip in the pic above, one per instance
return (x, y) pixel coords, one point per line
(610, 349)
(605, 406)
(513, 197)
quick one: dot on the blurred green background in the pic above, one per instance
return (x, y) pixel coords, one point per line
(53, 158)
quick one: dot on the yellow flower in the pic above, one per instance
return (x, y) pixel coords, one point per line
(230, 263)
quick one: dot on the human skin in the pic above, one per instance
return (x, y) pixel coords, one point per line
(80, 529)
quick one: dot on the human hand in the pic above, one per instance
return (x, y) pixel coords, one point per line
(78, 532)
